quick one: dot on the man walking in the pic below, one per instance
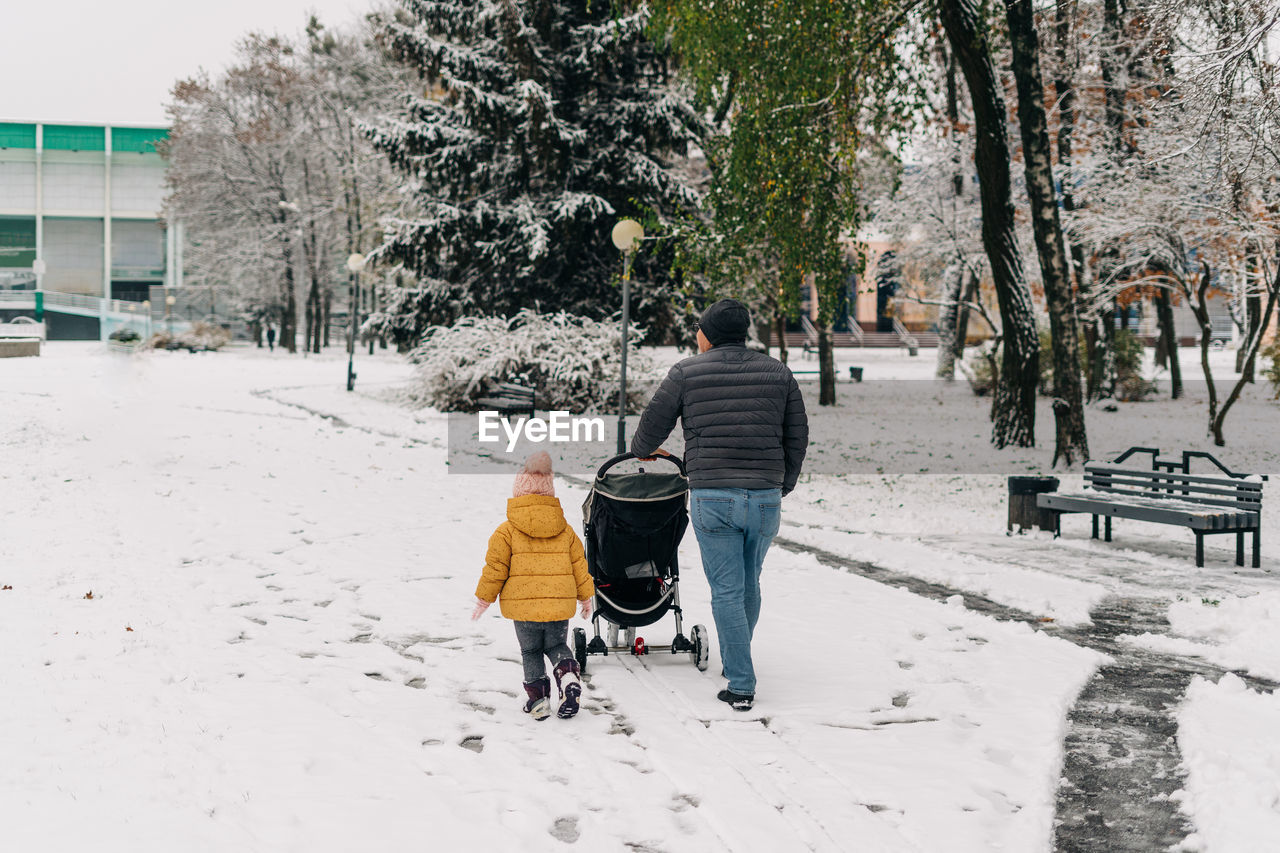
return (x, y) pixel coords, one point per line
(745, 434)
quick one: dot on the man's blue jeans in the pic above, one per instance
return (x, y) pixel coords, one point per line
(734, 529)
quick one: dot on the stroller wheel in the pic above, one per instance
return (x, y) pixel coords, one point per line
(580, 649)
(700, 654)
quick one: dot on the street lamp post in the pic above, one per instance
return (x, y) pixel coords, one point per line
(146, 310)
(169, 301)
(627, 235)
(355, 263)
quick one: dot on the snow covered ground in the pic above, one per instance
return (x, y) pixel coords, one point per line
(276, 654)
(1228, 737)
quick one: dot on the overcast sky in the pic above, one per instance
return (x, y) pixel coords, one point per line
(116, 62)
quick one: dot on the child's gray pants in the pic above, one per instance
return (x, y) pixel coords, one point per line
(538, 639)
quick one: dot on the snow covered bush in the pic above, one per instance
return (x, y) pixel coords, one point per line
(572, 362)
(1131, 385)
(205, 335)
(981, 367)
(124, 336)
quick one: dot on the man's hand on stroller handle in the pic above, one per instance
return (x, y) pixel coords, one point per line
(656, 454)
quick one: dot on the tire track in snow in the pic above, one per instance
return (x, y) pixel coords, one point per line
(782, 777)
(737, 762)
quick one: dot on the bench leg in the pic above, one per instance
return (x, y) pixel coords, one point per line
(1239, 547)
(1200, 549)
(1108, 522)
(1257, 547)
(1095, 527)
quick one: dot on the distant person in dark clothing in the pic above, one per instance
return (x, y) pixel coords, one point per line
(271, 338)
(745, 433)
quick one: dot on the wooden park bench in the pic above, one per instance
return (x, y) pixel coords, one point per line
(509, 398)
(1168, 493)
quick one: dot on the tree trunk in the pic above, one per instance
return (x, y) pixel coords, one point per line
(1113, 65)
(971, 295)
(1253, 310)
(1169, 341)
(826, 366)
(309, 321)
(948, 321)
(1064, 88)
(1014, 411)
(947, 327)
(780, 322)
(316, 311)
(1251, 345)
(289, 318)
(255, 332)
(953, 115)
(1101, 336)
(1199, 308)
(327, 305)
(1162, 341)
(1068, 406)
(1066, 93)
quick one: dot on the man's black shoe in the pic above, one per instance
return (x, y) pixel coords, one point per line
(737, 701)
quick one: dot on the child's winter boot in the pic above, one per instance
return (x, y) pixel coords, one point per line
(570, 687)
(539, 704)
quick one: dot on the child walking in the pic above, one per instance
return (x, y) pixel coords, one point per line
(537, 567)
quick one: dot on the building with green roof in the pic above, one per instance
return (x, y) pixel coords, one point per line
(80, 213)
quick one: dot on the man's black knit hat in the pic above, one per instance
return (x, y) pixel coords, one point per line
(726, 321)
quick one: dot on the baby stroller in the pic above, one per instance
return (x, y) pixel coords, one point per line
(633, 523)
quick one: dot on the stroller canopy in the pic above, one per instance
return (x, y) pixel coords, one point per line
(633, 523)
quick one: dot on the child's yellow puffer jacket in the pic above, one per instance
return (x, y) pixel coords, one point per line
(535, 563)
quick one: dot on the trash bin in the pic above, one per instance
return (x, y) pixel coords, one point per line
(855, 373)
(1022, 503)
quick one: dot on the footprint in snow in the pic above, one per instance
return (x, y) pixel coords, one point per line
(565, 829)
(680, 802)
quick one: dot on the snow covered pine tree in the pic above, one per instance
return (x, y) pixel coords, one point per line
(541, 125)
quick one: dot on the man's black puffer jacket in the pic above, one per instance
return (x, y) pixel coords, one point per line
(744, 421)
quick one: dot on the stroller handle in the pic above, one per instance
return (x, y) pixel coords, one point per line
(623, 457)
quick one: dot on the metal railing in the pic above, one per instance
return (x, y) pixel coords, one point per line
(810, 331)
(908, 340)
(81, 303)
(93, 304)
